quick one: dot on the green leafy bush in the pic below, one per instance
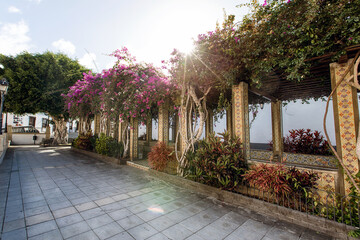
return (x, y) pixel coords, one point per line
(85, 142)
(219, 162)
(160, 156)
(109, 146)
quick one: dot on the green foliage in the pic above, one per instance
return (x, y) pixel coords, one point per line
(109, 146)
(218, 162)
(160, 156)
(84, 142)
(36, 81)
(283, 34)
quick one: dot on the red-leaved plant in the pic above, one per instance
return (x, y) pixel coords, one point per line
(279, 180)
(160, 156)
(306, 142)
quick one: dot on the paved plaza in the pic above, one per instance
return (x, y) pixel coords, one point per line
(54, 193)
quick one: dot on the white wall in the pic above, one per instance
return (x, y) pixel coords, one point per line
(26, 138)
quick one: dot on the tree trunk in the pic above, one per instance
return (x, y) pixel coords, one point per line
(60, 132)
(192, 104)
(126, 139)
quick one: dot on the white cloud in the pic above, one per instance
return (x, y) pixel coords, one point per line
(88, 60)
(64, 46)
(14, 38)
(13, 9)
(35, 1)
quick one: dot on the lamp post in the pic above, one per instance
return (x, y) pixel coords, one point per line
(4, 85)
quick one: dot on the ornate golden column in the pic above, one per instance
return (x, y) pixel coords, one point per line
(240, 116)
(164, 122)
(97, 124)
(149, 130)
(346, 116)
(277, 132)
(134, 128)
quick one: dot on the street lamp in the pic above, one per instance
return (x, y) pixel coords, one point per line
(4, 85)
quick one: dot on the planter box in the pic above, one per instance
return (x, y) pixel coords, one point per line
(100, 157)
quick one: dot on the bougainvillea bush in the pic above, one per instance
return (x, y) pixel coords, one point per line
(219, 162)
(82, 98)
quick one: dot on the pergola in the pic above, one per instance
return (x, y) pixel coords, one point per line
(324, 74)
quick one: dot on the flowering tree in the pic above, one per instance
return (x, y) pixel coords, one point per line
(132, 90)
(83, 99)
(128, 90)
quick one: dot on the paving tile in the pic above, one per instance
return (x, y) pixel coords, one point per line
(112, 207)
(14, 216)
(104, 201)
(41, 228)
(120, 197)
(39, 218)
(250, 230)
(158, 236)
(108, 230)
(276, 233)
(85, 206)
(71, 219)
(53, 235)
(149, 215)
(61, 205)
(74, 229)
(120, 214)
(13, 225)
(177, 232)
(78, 201)
(99, 221)
(92, 213)
(90, 235)
(130, 222)
(142, 231)
(211, 233)
(161, 223)
(137, 208)
(121, 236)
(36, 211)
(35, 204)
(195, 237)
(64, 212)
(18, 234)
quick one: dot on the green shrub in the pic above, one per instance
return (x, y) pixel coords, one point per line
(160, 156)
(84, 142)
(218, 162)
(109, 146)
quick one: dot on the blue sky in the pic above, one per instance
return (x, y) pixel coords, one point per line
(90, 29)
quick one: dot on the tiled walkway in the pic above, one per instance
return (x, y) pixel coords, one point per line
(53, 193)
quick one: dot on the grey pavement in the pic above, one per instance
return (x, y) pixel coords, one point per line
(54, 193)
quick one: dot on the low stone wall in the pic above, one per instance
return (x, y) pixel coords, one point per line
(319, 224)
(100, 157)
